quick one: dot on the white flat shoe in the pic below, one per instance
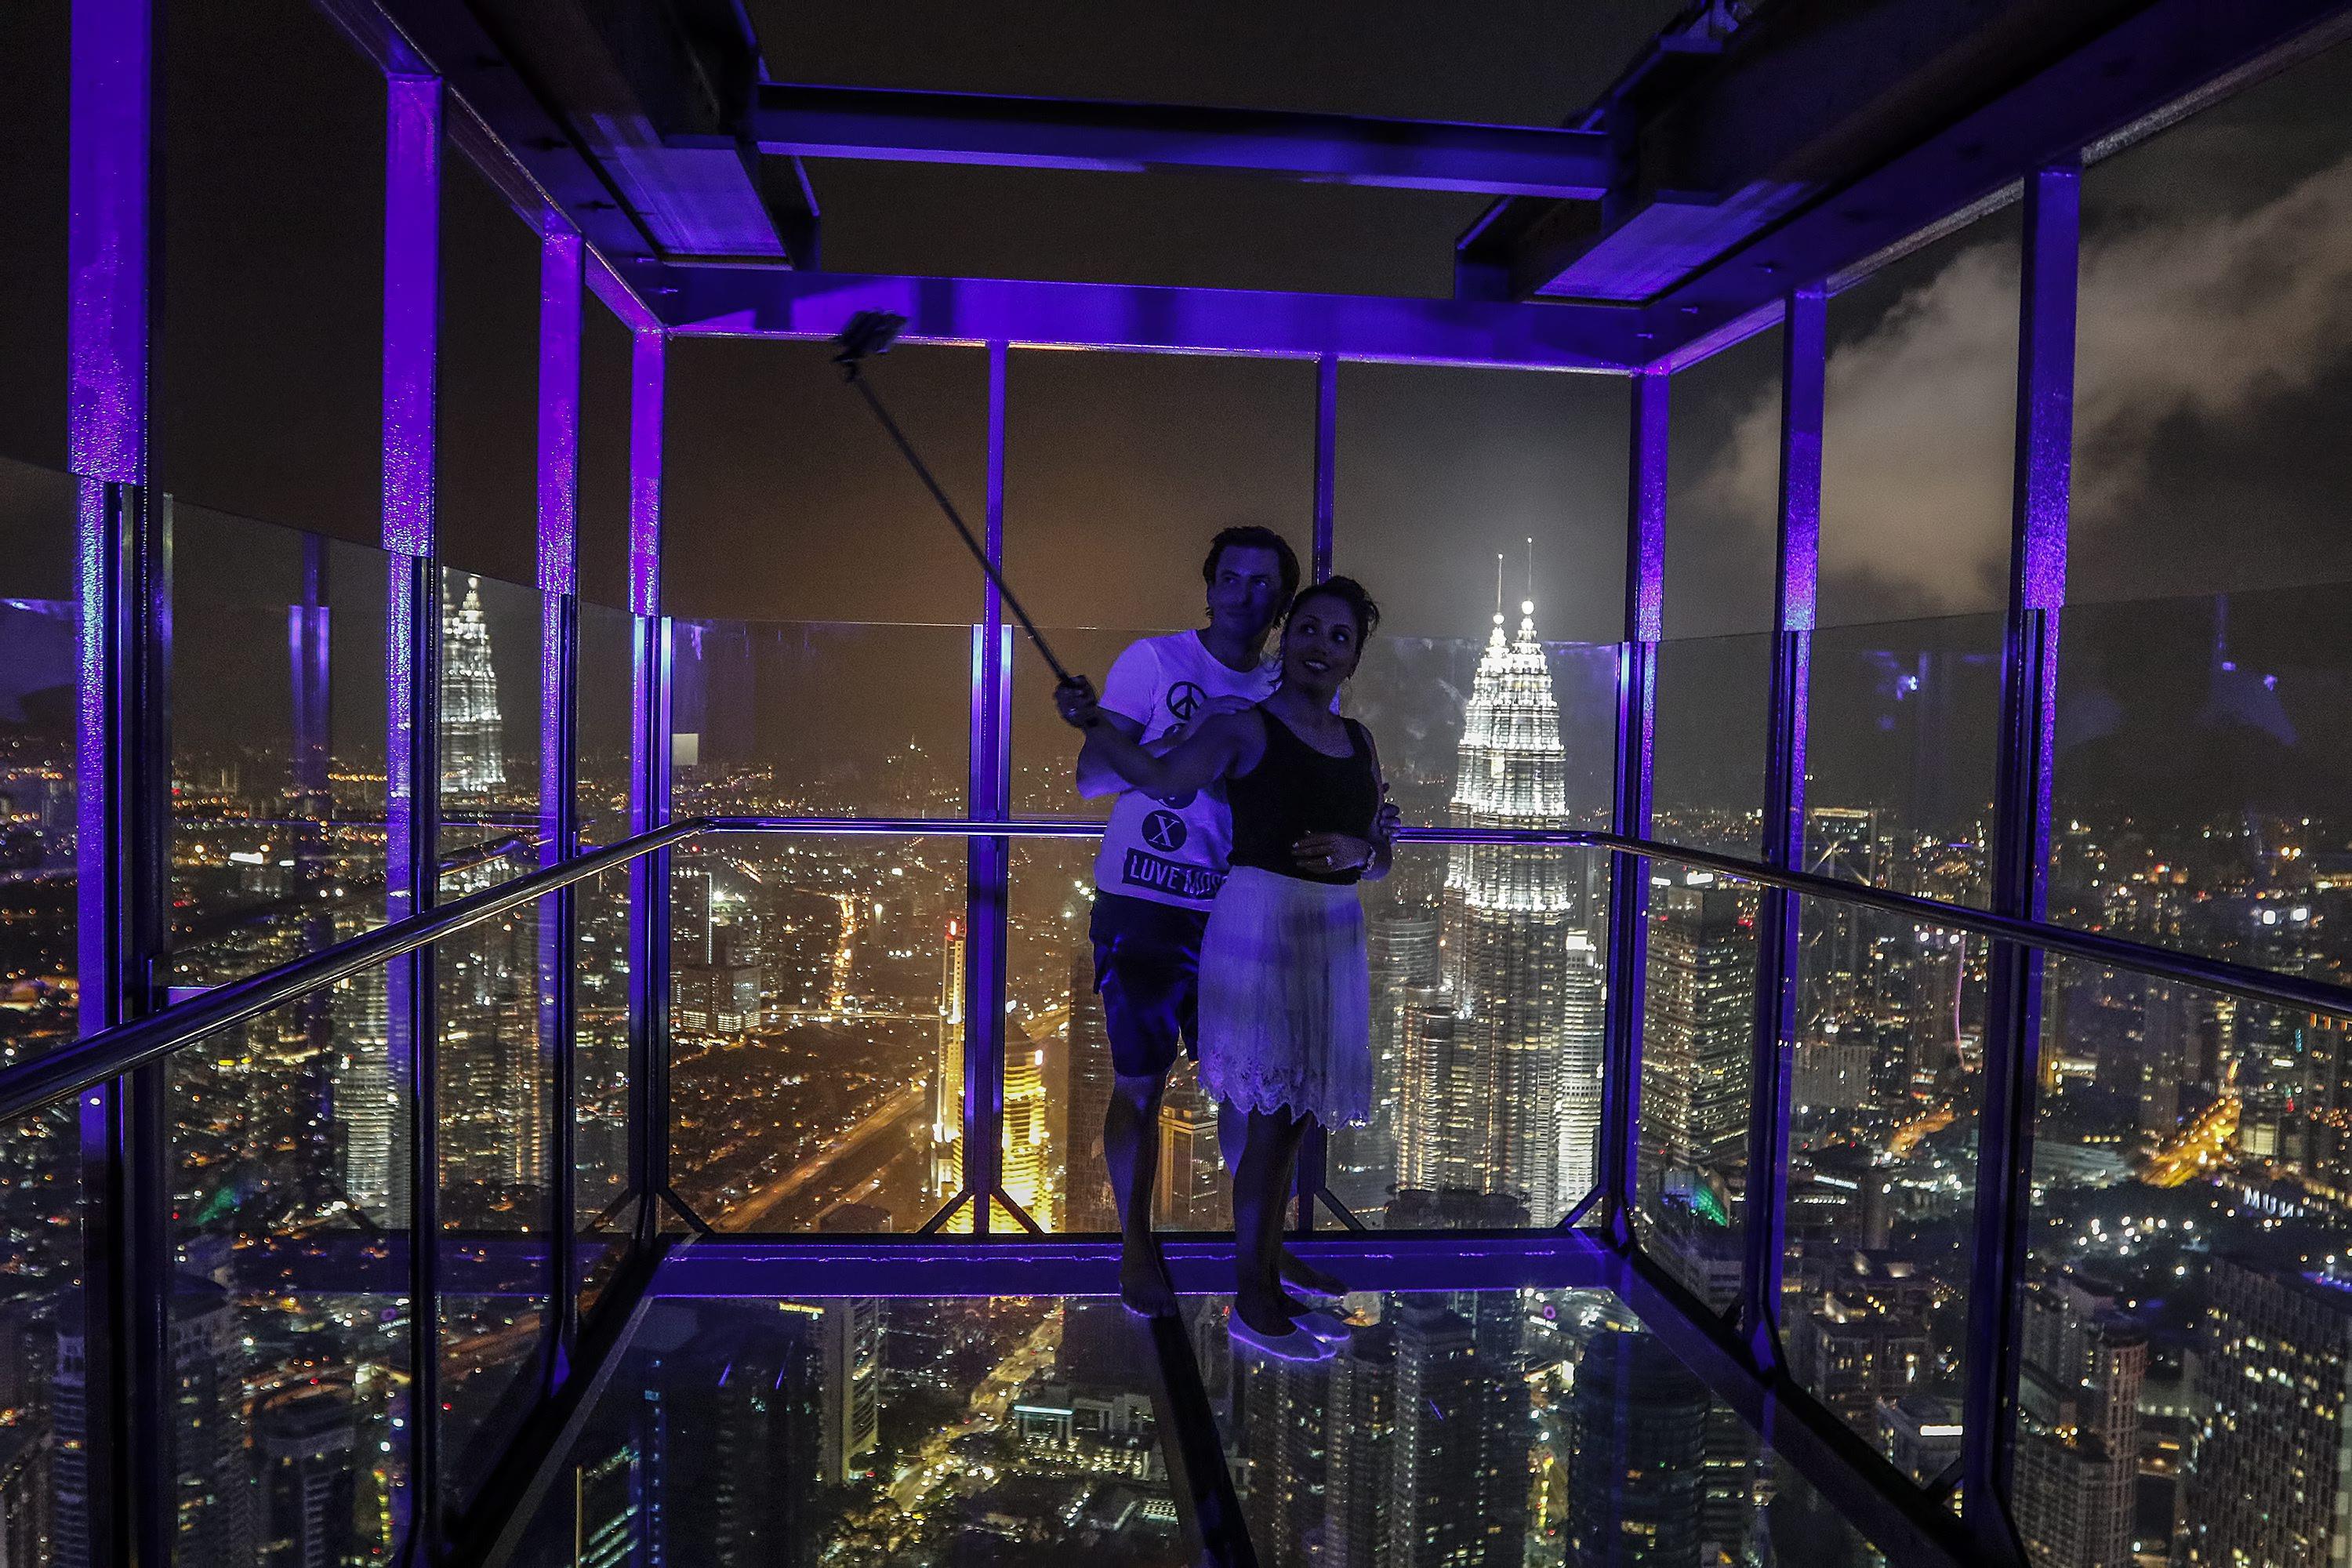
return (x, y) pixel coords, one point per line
(1328, 1327)
(1296, 1345)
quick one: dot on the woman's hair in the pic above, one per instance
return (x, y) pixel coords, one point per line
(1349, 592)
(1254, 538)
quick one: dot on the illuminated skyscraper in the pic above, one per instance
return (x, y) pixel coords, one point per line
(1088, 1201)
(851, 1380)
(1027, 1152)
(473, 742)
(1186, 1194)
(1508, 913)
(1698, 1021)
(947, 1071)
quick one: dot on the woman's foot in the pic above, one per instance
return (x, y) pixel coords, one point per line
(1143, 1284)
(1259, 1325)
(1306, 1276)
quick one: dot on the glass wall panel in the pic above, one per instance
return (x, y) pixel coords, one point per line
(1698, 1033)
(278, 643)
(40, 632)
(267, 351)
(602, 1199)
(1920, 430)
(2203, 780)
(1715, 673)
(1888, 1080)
(1900, 754)
(2201, 794)
(1713, 700)
(2188, 1280)
(1536, 1426)
(816, 1031)
(290, 1371)
(605, 721)
(490, 671)
(496, 1121)
(486, 495)
(608, 383)
(1119, 469)
(811, 718)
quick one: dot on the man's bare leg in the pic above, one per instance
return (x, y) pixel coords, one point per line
(1233, 1140)
(1131, 1149)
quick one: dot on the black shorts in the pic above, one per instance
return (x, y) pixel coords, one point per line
(1148, 969)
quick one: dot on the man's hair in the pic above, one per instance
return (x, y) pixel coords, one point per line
(1350, 593)
(1254, 538)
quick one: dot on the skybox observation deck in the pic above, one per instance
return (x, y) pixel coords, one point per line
(546, 1006)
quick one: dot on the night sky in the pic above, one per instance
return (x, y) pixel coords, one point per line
(2216, 357)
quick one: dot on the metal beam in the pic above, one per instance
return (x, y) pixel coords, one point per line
(905, 127)
(2171, 52)
(743, 301)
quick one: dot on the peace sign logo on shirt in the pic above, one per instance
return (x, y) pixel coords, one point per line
(1184, 700)
(1165, 831)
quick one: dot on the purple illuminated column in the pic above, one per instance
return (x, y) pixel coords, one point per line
(1629, 875)
(1326, 460)
(2037, 593)
(649, 787)
(988, 797)
(1804, 351)
(115, 1487)
(561, 280)
(412, 324)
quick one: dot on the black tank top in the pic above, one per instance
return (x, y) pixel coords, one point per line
(1296, 790)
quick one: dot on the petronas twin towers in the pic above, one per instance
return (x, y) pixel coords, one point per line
(1501, 1068)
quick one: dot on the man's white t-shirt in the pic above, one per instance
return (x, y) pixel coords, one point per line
(1151, 849)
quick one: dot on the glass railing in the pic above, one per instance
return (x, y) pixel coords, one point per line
(40, 629)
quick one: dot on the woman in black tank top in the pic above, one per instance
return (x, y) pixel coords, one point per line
(1285, 994)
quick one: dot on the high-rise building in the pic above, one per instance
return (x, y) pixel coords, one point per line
(25, 1481)
(1402, 940)
(1286, 1418)
(70, 1510)
(2275, 1459)
(1460, 1494)
(473, 731)
(305, 1443)
(947, 1071)
(605, 1513)
(1086, 1181)
(1187, 1192)
(1637, 1429)
(1028, 1154)
(1438, 1126)
(1582, 1023)
(1508, 911)
(851, 1378)
(1360, 1450)
(1698, 1020)
(212, 1512)
(366, 1099)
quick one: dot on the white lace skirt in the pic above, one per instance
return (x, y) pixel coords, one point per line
(1286, 998)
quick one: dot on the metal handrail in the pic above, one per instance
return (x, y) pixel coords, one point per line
(31, 1085)
(113, 1052)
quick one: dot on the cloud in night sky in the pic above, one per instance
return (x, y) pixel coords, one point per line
(2210, 317)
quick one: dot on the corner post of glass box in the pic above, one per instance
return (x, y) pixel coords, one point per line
(1804, 349)
(1627, 961)
(2037, 591)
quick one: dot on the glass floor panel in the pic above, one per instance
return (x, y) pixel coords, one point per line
(1476, 1429)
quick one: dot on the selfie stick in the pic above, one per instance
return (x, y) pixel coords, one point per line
(871, 332)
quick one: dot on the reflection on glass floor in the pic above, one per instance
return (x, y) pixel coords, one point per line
(1488, 1429)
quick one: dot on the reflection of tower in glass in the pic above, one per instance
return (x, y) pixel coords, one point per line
(473, 753)
(474, 735)
(947, 1071)
(1508, 911)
